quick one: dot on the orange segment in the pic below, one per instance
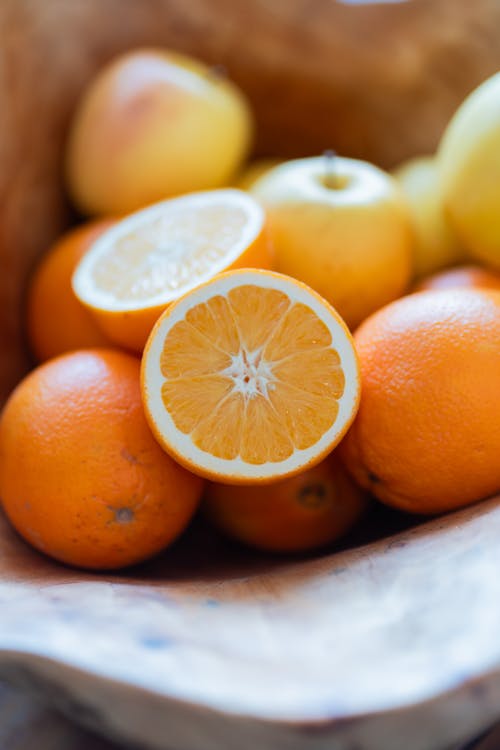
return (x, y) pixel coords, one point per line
(188, 352)
(192, 400)
(254, 311)
(265, 437)
(300, 331)
(250, 377)
(319, 372)
(219, 434)
(216, 321)
(153, 257)
(274, 418)
(306, 415)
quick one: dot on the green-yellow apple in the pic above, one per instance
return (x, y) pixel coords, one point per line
(469, 165)
(436, 244)
(343, 227)
(154, 124)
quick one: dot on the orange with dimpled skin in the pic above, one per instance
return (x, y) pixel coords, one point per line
(303, 512)
(427, 435)
(57, 322)
(81, 476)
(461, 277)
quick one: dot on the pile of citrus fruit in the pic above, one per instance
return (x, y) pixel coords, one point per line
(273, 343)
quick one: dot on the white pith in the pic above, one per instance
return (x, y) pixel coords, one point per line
(260, 378)
(251, 374)
(93, 295)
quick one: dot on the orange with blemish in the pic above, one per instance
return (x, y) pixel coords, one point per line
(302, 512)
(81, 476)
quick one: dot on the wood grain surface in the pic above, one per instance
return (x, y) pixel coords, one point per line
(374, 80)
(211, 647)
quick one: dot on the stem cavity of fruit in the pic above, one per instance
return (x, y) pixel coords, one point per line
(123, 515)
(330, 180)
(313, 495)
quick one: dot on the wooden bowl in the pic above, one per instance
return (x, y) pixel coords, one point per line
(383, 646)
(210, 647)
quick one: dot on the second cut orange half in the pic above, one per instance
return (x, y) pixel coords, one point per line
(249, 378)
(154, 256)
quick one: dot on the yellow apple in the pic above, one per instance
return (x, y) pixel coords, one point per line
(154, 124)
(469, 166)
(343, 227)
(254, 171)
(436, 244)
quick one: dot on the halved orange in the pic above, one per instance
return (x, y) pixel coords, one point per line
(249, 378)
(154, 256)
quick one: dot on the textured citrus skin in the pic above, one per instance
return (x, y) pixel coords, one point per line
(81, 476)
(461, 277)
(427, 435)
(56, 321)
(299, 513)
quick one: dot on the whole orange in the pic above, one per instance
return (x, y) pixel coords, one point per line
(56, 321)
(427, 436)
(461, 277)
(81, 476)
(302, 512)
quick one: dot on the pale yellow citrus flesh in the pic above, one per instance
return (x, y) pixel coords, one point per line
(170, 251)
(251, 376)
(154, 256)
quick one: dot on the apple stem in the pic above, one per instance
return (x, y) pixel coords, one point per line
(330, 176)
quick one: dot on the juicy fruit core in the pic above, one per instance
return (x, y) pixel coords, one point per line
(173, 250)
(251, 375)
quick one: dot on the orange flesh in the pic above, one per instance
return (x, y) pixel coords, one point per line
(166, 253)
(251, 375)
